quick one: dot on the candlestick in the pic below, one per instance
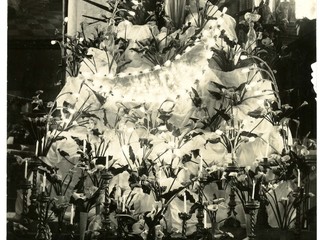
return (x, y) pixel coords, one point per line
(42, 145)
(123, 203)
(44, 182)
(253, 188)
(205, 220)
(299, 182)
(184, 217)
(71, 214)
(37, 147)
(184, 202)
(200, 167)
(26, 170)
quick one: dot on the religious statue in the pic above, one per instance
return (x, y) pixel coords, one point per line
(265, 12)
(282, 12)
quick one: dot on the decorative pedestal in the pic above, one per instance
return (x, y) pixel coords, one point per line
(184, 217)
(252, 207)
(106, 229)
(25, 186)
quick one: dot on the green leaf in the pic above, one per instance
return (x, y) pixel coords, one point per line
(248, 134)
(213, 140)
(197, 101)
(131, 154)
(241, 87)
(218, 85)
(223, 114)
(257, 113)
(215, 94)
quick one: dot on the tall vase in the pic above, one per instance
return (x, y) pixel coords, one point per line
(83, 224)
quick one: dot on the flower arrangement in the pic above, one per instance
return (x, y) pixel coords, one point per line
(156, 112)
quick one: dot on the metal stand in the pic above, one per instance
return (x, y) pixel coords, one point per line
(252, 207)
(71, 229)
(184, 217)
(106, 229)
(200, 214)
(34, 193)
(43, 230)
(25, 186)
(232, 221)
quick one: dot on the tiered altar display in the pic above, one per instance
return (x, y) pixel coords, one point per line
(161, 134)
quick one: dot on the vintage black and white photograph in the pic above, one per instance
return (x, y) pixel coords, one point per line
(161, 119)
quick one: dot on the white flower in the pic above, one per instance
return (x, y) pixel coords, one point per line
(132, 13)
(157, 67)
(212, 207)
(178, 56)
(53, 42)
(167, 63)
(243, 57)
(233, 174)
(219, 132)
(224, 10)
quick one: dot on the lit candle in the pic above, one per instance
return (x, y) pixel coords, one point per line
(44, 182)
(37, 147)
(205, 219)
(267, 149)
(299, 183)
(71, 214)
(84, 146)
(184, 202)
(42, 145)
(200, 167)
(123, 203)
(26, 170)
(253, 188)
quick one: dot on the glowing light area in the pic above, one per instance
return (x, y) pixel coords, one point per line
(306, 9)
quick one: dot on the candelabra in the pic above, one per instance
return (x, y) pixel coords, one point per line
(106, 229)
(184, 217)
(43, 230)
(251, 207)
(25, 186)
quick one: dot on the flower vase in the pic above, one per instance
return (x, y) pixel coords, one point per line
(83, 224)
